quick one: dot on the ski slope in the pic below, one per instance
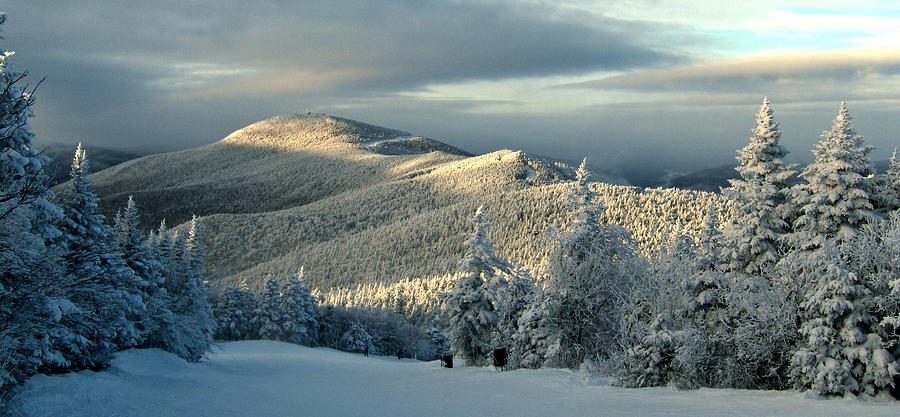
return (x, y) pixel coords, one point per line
(264, 378)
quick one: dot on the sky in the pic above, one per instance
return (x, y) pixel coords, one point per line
(652, 85)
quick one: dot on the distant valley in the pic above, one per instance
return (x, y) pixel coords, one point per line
(61, 159)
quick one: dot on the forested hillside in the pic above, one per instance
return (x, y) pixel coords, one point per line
(311, 190)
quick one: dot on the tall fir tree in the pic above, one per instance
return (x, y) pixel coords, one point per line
(300, 312)
(510, 295)
(132, 243)
(470, 315)
(197, 313)
(106, 292)
(29, 273)
(536, 335)
(233, 313)
(836, 199)
(874, 257)
(357, 339)
(653, 320)
(887, 187)
(161, 242)
(751, 238)
(267, 317)
(194, 253)
(506, 288)
(589, 269)
(193, 326)
(842, 353)
(705, 289)
(651, 362)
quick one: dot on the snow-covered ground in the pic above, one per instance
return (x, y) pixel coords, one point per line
(263, 378)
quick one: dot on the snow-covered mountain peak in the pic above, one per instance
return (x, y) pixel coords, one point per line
(296, 131)
(318, 131)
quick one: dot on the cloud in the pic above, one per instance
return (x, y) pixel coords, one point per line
(865, 74)
(283, 47)
(171, 74)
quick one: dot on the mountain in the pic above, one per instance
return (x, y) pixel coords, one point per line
(274, 164)
(708, 179)
(606, 174)
(61, 159)
(712, 179)
(369, 210)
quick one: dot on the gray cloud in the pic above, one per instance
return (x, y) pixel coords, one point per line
(314, 45)
(173, 74)
(705, 111)
(799, 77)
(169, 74)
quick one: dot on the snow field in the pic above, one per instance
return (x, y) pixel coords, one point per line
(265, 378)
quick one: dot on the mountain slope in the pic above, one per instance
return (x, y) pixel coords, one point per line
(280, 162)
(361, 206)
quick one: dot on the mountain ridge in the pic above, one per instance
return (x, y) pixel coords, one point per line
(307, 190)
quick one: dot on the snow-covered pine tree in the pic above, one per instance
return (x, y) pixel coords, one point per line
(193, 326)
(842, 353)
(751, 238)
(887, 187)
(510, 296)
(233, 313)
(180, 263)
(836, 199)
(882, 247)
(267, 316)
(99, 283)
(735, 329)
(470, 316)
(536, 336)
(356, 339)
(590, 271)
(439, 345)
(650, 362)
(329, 328)
(162, 248)
(194, 295)
(705, 319)
(657, 304)
(889, 302)
(300, 312)
(874, 256)
(29, 273)
(145, 263)
(161, 242)
(705, 289)
(194, 253)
